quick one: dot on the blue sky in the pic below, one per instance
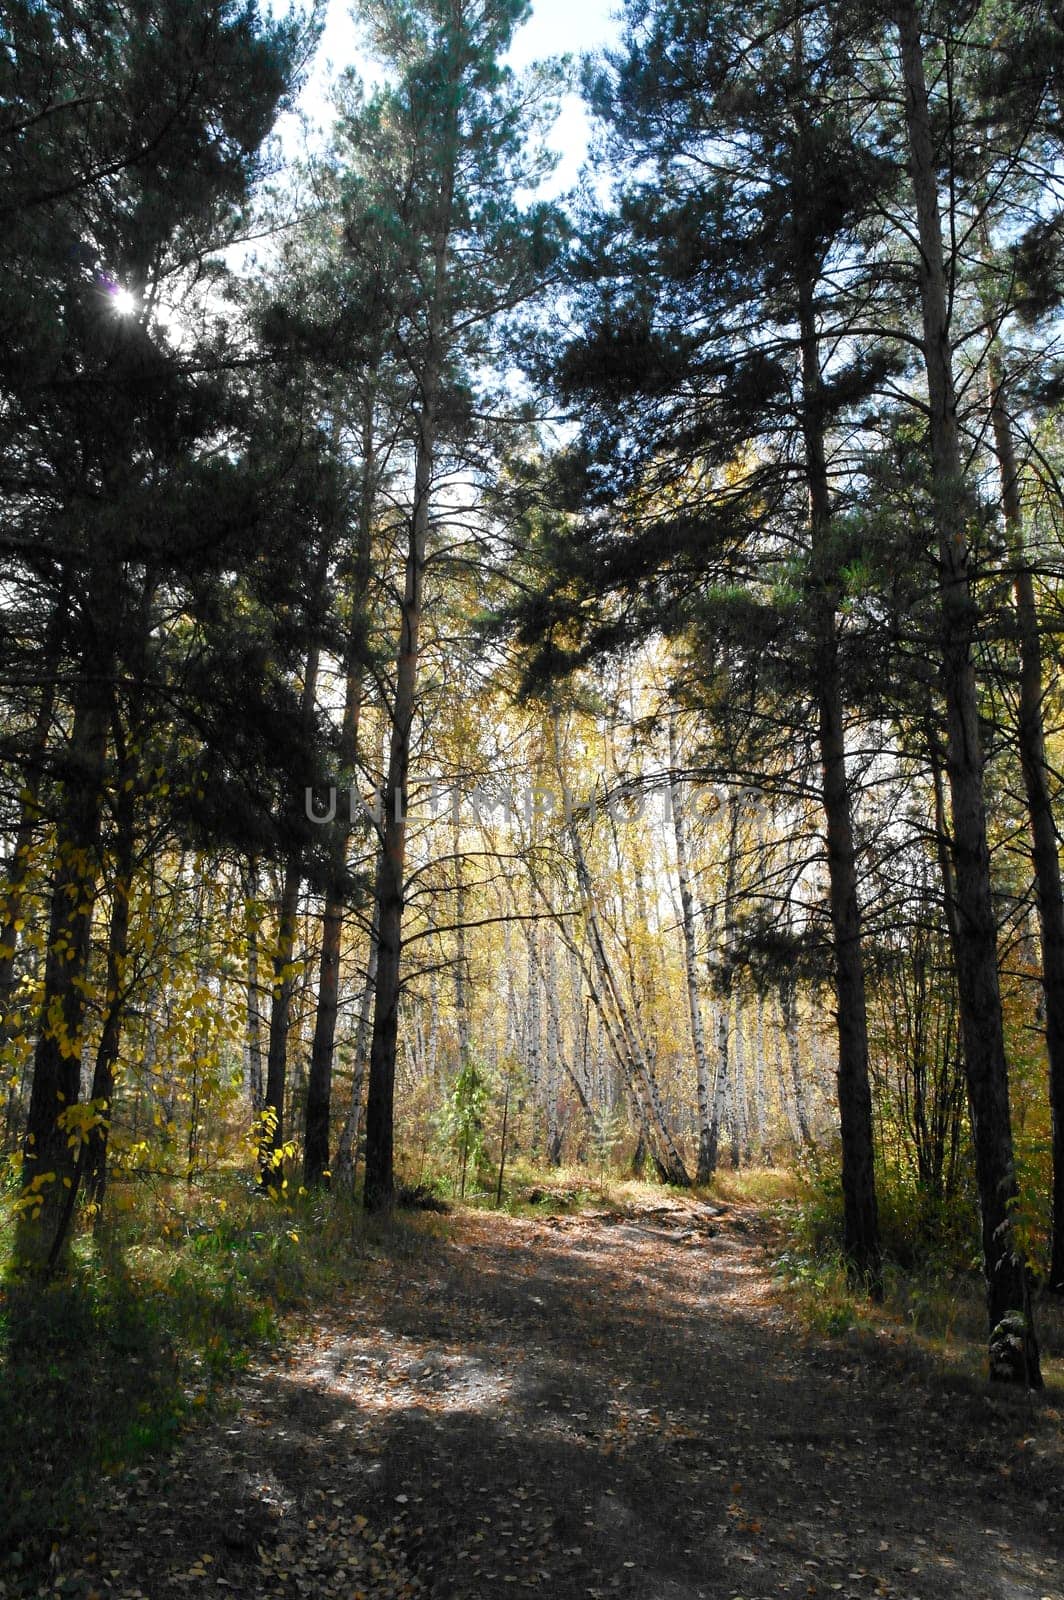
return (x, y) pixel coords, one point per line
(556, 27)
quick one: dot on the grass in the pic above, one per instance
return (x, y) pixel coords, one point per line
(756, 1186)
(932, 1319)
(108, 1364)
(531, 1189)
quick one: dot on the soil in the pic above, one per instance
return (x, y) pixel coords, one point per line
(596, 1405)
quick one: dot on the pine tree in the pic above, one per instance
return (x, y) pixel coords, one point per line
(102, 408)
(711, 284)
(447, 155)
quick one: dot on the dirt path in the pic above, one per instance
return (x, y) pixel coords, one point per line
(594, 1407)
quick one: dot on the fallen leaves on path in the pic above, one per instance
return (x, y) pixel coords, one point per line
(598, 1406)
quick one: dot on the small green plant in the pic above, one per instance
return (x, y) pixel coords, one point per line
(465, 1118)
(607, 1131)
(822, 1290)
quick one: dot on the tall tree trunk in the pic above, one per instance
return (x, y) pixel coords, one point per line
(116, 988)
(860, 1212)
(319, 1080)
(1045, 853)
(1012, 1343)
(29, 813)
(704, 1168)
(391, 887)
(789, 1010)
(347, 1148)
(786, 1093)
(283, 985)
(47, 1162)
(253, 1032)
(379, 1188)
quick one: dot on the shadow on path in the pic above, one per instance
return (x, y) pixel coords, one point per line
(593, 1408)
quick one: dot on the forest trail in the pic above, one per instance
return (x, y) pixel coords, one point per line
(596, 1405)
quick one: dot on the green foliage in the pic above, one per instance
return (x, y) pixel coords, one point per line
(108, 1364)
(821, 1289)
(919, 1230)
(465, 1118)
(608, 1129)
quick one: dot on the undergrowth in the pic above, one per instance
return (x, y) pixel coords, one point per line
(108, 1363)
(933, 1314)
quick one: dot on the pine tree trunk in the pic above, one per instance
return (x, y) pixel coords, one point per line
(1013, 1345)
(48, 1163)
(1031, 737)
(29, 814)
(860, 1213)
(283, 986)
(115, 991)
(379, 1187)
(280, 1021)
(319, 1079)
(704, 1168)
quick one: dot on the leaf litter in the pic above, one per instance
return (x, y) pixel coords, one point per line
(590, 1405)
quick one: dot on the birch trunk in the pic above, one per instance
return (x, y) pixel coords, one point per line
(662, 1143)
(253, 1033)
(786, 1092)
(760, 1110)
(704, 1167)
(534, 1030)
(347, 1148)
(742, 1077)
(554, 1047)
(461, 970)
(789, 1008)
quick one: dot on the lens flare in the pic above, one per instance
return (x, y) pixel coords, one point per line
(124, 303)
